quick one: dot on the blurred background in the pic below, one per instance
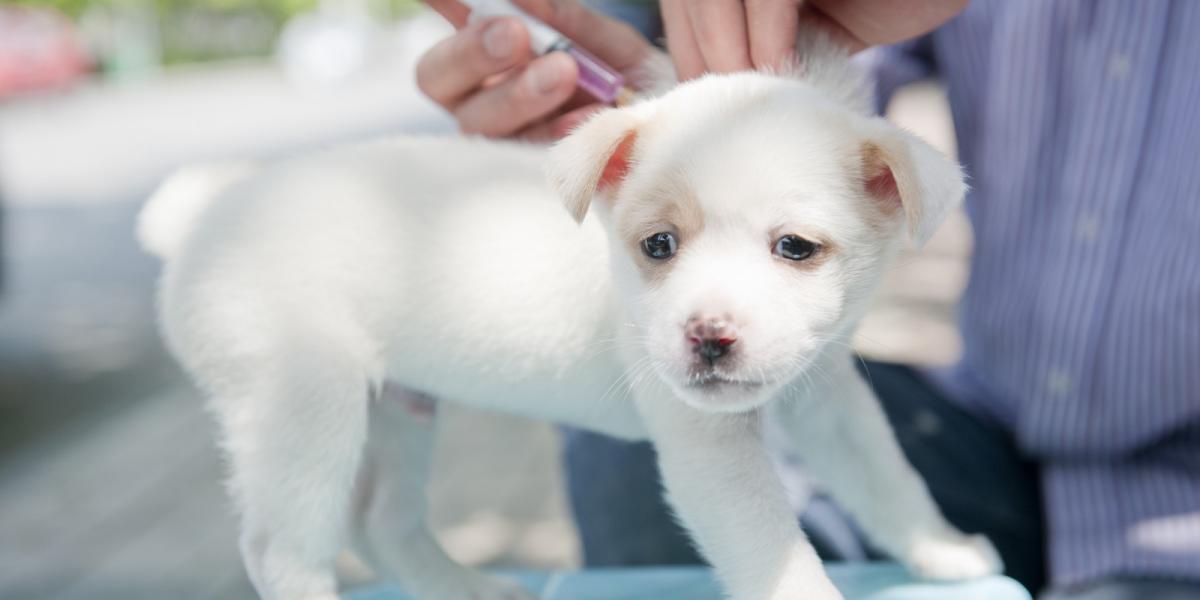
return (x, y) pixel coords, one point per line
(110, 486)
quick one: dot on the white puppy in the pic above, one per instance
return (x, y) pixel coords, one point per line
(732, 232)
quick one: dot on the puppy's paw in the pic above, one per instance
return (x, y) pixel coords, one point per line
(805, 581)
(951, 556)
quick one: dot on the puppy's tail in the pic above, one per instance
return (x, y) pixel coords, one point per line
(167, 219)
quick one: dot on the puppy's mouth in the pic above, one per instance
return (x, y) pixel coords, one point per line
(716, 392)
(713, 381)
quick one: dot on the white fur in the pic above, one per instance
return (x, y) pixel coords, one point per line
(448, 269)
(163, 224)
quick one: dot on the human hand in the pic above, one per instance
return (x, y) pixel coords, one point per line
(488, 78)
(722, 36)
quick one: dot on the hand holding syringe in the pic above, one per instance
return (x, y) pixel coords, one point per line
(492, 77)
(603, 82)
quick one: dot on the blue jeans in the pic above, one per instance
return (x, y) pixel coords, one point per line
(973, 470)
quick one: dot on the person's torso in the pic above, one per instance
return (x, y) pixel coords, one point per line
(1079, 124)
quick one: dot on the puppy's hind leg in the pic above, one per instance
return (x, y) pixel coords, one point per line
(294, 429)
(390, 529)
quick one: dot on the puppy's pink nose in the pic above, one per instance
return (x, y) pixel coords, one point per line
(711, 337)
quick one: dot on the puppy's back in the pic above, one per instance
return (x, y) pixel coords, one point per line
(440, 253)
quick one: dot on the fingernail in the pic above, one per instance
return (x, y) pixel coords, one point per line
(544, 76)
(498, 39)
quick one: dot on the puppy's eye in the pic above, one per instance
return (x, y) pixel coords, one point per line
(659, 246)
(794, 247)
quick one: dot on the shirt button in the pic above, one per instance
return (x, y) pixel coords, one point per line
(1058, 382)
(1119, 66)
(1087, 228)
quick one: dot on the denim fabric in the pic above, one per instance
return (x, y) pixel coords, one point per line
(615, 495)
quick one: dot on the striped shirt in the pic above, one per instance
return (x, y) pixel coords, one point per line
(1079, 124)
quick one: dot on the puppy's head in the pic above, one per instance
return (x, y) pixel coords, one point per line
(749, 216)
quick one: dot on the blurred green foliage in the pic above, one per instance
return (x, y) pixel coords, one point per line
(203, 30)
(279, 9)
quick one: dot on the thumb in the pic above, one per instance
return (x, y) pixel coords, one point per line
(613, 41)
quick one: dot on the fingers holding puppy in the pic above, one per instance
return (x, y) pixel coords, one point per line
(723, 36)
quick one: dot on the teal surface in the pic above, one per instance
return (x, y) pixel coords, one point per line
(877, 581)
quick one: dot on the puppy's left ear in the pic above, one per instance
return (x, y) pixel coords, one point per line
(594, 159)
(902, 172)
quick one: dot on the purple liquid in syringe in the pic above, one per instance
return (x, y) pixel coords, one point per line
(595, 77)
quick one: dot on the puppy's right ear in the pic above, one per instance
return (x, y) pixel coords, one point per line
(901, 171)
(593, 160)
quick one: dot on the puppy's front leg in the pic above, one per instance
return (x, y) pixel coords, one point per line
(721, 484)
(844, 439)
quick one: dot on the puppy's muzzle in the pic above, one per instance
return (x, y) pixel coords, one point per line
(712, 337)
